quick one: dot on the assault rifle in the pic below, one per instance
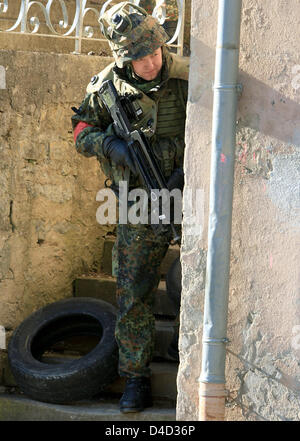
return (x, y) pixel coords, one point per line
(123, 111)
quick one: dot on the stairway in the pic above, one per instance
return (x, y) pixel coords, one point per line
(164, 368)
(15, 407)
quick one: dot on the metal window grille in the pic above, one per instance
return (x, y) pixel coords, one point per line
(76, 29)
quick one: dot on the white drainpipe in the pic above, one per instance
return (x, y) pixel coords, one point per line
(212, 379)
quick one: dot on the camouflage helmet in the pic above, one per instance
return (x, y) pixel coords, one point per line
(131, 32)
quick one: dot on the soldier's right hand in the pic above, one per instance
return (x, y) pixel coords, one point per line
(116, 150)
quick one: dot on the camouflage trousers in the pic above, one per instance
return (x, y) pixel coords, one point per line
(138, 253)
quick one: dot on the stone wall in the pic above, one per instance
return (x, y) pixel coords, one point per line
(48, 229)
(263, 356)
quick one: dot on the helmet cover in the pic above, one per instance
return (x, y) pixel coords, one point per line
(131, 32)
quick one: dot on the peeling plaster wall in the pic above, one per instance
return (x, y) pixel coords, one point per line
(49, 234)
(263, 356)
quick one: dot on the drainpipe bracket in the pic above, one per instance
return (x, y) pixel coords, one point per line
(238, 87)
(216, 341)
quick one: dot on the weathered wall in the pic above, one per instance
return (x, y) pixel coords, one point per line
(263, 357)
(48, 229)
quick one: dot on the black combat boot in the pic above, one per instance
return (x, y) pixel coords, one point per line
(137, 395)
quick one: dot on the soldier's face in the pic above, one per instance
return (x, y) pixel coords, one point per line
(149, 66)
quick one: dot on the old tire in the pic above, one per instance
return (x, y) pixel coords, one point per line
(173, 283)
(73, 380)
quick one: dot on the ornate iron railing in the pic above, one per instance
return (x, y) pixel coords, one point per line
(76, 30)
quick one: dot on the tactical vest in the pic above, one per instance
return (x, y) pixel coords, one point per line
(163, 117)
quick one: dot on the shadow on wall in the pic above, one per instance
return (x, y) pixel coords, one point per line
(260, 107)
(277, 115)
(268, 129)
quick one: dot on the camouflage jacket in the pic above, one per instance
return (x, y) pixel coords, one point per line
(165, 108)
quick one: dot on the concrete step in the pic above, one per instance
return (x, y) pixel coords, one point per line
(106, 267)
(163, 379)
(72, 350)
(103, 286)
(164, 332)
(164, 367)
(163, 382)
(14, 407)
(104, 407)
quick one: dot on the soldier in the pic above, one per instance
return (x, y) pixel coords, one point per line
(143, 67)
